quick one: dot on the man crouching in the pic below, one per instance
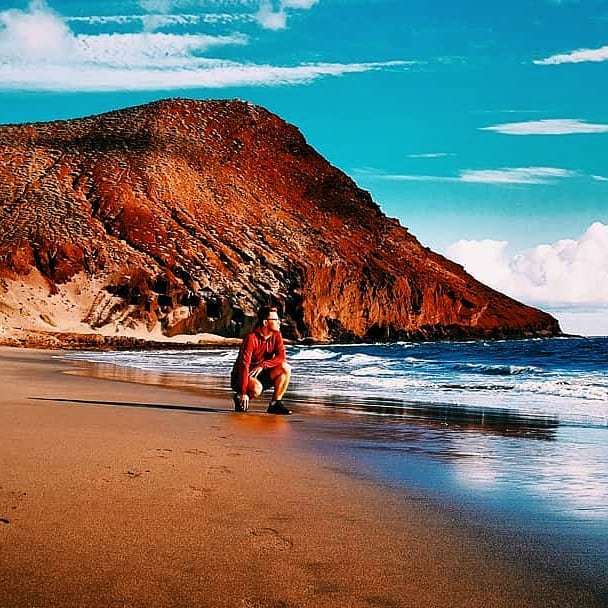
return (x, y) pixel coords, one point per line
(261, 364)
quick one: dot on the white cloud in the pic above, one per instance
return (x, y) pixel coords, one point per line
(521, 175)
(276, 19)
(155, 21)
(301, 4)
(270, 19)
(36, 34)
(559, 126)
(174, 5)
(146, 49)
(600, 178)
(586, 321)
(503, 111)
(208, 73)
(405, 177)
(517, 175)
(430, 155)
(270, 14)
(38, 38)
(577, 56)
(569, 276)
(158, 6)
(38, 51)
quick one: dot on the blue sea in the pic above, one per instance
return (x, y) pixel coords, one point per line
(515, 432)
(564, 380)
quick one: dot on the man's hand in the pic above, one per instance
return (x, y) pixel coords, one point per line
(245, 402)
(255, 373)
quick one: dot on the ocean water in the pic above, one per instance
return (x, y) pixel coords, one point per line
(561, 380)
(514, 432)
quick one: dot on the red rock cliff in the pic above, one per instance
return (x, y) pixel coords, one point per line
(190, 214)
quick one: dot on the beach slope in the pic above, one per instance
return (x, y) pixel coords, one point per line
(106, 499)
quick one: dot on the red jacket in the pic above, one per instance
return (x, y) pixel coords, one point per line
(256, 351)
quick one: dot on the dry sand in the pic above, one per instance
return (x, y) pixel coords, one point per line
(117, 506)
(79, 313)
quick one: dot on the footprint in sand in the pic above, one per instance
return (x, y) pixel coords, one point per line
(198, 491)
(282, 517)
(269, 538)
(322, 586)
(379, 601)
(196, 452)
(251, 603)
(16, 496)
(327, 588)
(220, 469)
(136, 472)
(162, 452)
(250, 448)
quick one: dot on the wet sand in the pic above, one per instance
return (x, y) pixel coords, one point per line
(106, 504)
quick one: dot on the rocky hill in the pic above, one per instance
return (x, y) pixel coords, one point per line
(181, 217)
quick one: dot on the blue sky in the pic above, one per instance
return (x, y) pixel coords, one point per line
(482, 126)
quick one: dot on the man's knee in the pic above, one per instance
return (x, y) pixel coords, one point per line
(285, 367)
(255, 387)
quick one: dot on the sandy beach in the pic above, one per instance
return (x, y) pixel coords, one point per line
(108, 500)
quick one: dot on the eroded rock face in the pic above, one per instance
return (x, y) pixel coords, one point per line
(194, 213)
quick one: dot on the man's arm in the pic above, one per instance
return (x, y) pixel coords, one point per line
(245, 363)
(279, 353)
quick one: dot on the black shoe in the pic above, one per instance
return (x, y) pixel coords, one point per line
(238, 406)
(277, 407)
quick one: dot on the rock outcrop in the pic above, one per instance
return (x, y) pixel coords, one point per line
(184, 216)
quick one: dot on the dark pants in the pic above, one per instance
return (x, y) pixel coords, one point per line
(263, 377)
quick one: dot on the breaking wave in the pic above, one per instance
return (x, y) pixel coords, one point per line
(567, 378)
(498, 370)
(313, 354)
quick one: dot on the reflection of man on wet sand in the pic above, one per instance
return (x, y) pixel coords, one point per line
(261, 364)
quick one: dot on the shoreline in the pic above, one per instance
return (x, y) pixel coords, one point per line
(65, 340)
(151, 507)
(40, 340)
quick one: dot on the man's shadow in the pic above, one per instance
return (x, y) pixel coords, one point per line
(153, 406)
